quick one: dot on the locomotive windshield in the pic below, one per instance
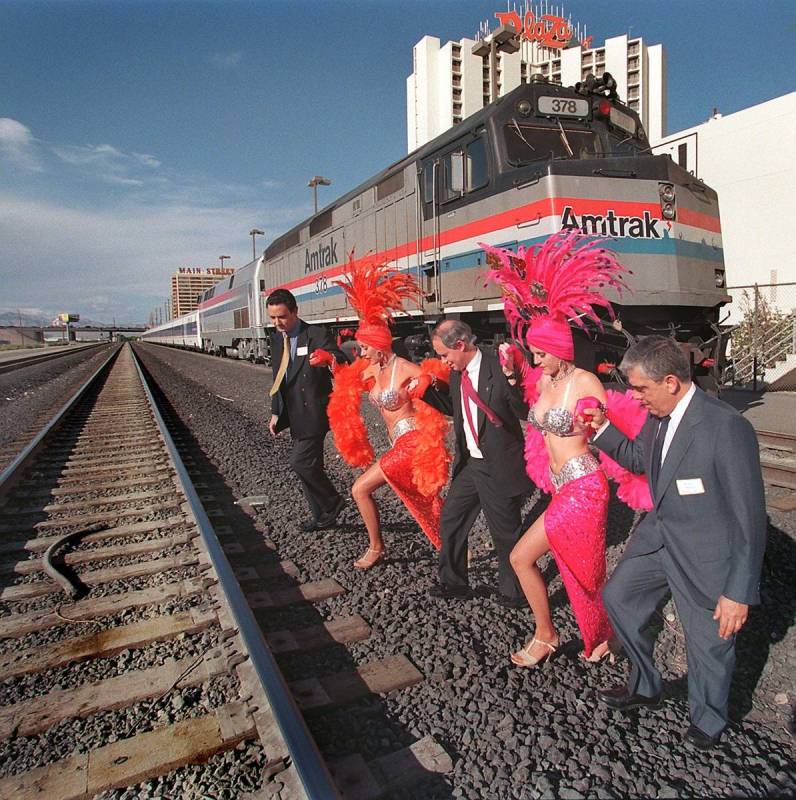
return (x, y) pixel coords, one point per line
(526, 143)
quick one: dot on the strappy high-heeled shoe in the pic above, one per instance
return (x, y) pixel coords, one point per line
(598, 654)
(370, 559)
(523, 658)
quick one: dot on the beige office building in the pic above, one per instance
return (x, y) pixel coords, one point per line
(188, 283)
(449, 82)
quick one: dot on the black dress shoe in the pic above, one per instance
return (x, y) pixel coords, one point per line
(328, 519)
(700, 739)
(443, 592)
(620, 699)
(310, 525)
(511, 602)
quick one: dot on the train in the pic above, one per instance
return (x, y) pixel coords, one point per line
(542, 158)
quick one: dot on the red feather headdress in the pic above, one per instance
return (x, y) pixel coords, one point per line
(376, 291)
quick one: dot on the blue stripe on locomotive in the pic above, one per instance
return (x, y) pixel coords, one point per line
(667, 246)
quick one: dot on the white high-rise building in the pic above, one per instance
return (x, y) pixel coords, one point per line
(449, 82)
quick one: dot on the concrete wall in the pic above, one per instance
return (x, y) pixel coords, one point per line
(748, 158)
(21, 337)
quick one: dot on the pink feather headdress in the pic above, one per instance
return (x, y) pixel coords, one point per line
(548, 286)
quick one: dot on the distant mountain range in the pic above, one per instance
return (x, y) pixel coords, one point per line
(37, 320)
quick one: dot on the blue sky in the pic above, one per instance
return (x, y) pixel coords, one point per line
(138, 137)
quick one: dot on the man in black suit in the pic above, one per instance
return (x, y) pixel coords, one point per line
(299, 396)
(489, 465)
(703, 541)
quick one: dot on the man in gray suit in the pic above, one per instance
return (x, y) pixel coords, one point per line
(703, 541)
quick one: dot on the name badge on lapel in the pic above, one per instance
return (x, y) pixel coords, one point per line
(690, 486)
(301, 351)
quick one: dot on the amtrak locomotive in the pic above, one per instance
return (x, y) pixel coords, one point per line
(541, 158)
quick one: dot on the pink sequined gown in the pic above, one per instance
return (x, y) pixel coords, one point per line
(575, 524)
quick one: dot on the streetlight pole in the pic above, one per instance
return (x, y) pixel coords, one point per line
(222, 259)
(255, 232)
(315, 182)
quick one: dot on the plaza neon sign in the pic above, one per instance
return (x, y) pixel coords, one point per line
(547, 30)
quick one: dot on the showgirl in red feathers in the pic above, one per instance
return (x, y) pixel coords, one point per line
(545, 289)
(416, 465)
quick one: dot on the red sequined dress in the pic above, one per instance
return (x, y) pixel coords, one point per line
(416, 465)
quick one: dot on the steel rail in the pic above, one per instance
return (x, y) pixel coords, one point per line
(41, 358)
(9, 472)
(776, 440)
(316, 780)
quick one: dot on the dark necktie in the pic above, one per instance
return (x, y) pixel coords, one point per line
(469, 393)
(657, 451)
(283, 365)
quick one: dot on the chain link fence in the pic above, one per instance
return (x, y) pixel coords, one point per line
(762, 351)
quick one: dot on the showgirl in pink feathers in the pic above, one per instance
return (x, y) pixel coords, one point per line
(545, 289)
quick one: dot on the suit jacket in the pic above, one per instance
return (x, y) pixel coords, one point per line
(303, 396)
(502, 447)
(715, 538)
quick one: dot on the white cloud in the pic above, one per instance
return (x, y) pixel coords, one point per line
(226, 60)
(18, 145)
(108, 163)
(146, 159)
(117, 261)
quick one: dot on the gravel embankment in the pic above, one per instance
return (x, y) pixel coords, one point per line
(29, 396)
(512, 733)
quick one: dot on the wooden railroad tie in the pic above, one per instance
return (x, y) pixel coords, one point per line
(16, 625)
(139, 758)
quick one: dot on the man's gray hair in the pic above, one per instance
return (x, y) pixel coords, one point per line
(657, 356)
(450, 331)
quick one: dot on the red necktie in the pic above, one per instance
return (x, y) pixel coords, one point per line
(469, 393)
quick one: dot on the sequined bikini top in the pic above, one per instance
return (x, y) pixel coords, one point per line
(559, 421)
(390, 399)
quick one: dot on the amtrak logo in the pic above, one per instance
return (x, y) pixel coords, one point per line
(613, 224)
(324, 256)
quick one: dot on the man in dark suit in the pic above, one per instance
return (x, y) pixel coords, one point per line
(703, 541)
(299, 396)
(489, 466)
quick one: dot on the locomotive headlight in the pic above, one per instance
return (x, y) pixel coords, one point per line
(667, 192)
(668, 211)
(524, 108)
(719, 279)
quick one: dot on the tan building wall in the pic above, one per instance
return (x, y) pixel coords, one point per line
(188, 283)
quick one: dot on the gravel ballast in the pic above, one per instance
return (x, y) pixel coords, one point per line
(29, 396)
(511, 733)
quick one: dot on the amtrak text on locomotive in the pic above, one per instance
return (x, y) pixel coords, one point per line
(613, 224)
(324, 256)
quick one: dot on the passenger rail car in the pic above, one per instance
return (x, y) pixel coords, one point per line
(542, 158)
(178, 332)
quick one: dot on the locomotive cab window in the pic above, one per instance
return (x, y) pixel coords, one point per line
(458, 172)
(528, 143)
(428, 182)
(476, 166)
(452, 178)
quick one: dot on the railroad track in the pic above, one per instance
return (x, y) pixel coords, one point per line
(778, 458)
(40, 358)
(144, 630)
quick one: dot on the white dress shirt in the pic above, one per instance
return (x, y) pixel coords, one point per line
(473, 371)
(675, 416)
